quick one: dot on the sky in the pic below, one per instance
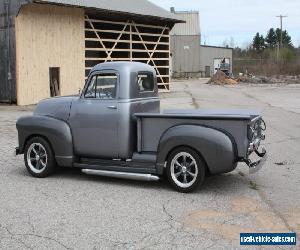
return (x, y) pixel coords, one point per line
(237, 21)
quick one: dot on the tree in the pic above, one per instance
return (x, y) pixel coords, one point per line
(258, 42)
(271, 39)
(286, 38)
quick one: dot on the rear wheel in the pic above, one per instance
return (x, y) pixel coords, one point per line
(39, 158)
(185, 169)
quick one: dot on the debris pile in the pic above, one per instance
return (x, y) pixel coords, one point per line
(279, 79)
(221, 78)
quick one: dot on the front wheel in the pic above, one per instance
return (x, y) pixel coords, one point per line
(39, 158)
(185, 169)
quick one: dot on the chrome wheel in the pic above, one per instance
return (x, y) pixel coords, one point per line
(37, 158)
(184, 169)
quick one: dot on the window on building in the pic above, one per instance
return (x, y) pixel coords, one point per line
(54, 81)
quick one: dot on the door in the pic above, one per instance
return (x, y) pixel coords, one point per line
(207, 71)
(94, 117)
(54, 81)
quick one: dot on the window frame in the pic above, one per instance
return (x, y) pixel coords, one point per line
(96, 73)
(149, 73)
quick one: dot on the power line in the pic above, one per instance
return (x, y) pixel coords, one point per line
(281, 17)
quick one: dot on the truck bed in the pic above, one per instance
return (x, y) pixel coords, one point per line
(151, 126)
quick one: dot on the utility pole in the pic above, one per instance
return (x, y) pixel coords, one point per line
(281, 17)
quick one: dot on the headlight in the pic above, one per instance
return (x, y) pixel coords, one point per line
(255, 130)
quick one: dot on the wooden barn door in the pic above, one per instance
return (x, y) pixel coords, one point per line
(128, 41)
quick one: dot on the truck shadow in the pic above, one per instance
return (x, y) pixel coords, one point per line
(223, 183)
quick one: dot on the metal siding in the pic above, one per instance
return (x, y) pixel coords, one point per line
(208, 54)
(185, 61)
(139, 7)
(190, 28)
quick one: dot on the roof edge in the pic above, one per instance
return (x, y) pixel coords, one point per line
(171, 20)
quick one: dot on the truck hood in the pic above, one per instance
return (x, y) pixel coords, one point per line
(57, 107)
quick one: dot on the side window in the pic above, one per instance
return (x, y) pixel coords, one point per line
(102, 86)
(106, 86)
(90, 92)
(145, 81)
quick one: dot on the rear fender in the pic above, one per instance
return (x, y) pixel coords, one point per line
(215, 147)
(57, 132)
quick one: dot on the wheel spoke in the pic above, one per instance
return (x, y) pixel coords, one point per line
(178, 164)
(43, 155)
(32, 159)
(43, 164)
(191, 164)
(38, 165)
(178, 174)
(191, 174)
(184, 159)
(34, 151)
(184, 178)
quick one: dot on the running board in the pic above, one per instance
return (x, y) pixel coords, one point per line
(122, 175)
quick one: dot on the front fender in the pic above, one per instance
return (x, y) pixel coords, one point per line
(57, 132)
(215, 147)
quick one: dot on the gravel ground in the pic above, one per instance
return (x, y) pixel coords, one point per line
(73, 211)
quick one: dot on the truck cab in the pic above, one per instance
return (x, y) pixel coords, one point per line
(102, 119)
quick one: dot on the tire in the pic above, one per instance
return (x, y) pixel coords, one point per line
(189, 174)
(39, 157)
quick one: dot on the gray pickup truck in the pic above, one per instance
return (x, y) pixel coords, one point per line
(115, 128)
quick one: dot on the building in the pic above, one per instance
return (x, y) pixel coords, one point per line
(47, 47)
(189, 57)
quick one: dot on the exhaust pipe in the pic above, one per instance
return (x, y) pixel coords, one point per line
(122, 175)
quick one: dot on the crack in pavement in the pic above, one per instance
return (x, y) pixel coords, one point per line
(187, 91)
(15, 237)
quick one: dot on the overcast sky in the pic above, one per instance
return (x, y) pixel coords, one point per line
(240, 19)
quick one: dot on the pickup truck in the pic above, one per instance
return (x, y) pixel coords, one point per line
(115, 128)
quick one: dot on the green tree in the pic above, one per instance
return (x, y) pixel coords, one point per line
(271, 39)
(258, 42)
(286, 38)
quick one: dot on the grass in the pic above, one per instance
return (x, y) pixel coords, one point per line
(253, 185)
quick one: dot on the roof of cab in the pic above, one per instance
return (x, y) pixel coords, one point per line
(123, 65)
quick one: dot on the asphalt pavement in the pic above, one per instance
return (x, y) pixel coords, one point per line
(70, 210)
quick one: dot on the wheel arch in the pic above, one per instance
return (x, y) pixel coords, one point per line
(215, 147)
(56, 132)
(190, 147)
(29, 137)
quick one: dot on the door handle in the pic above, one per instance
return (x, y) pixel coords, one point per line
(112, 107)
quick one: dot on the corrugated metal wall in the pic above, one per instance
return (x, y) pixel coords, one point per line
(209, 53)
(190, 28)
(185, 51)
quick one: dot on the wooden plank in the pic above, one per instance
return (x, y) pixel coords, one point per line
(143, 43)
(98, 37)
(122, 23)
(128, 50)
(124, 41)
(125, 58)
(127, 32)
(116, 42)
